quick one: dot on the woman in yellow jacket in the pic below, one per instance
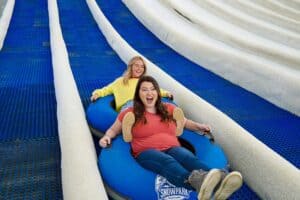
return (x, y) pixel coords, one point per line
(123, 88)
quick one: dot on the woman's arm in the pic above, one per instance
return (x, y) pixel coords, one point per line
(112, 132)
(106, 90)
(195, 126)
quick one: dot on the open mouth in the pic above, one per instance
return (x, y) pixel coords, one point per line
(149, 100)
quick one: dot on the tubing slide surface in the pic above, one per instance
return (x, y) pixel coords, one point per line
(93, 62)
(263, 76)
(275, 127)
(29, 146)
(255, 113)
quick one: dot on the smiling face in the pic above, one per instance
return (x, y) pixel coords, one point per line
(148, 95)
(137, 68)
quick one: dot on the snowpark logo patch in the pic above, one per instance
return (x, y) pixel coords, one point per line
(167, 191)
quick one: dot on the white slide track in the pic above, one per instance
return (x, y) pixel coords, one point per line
(5, 19)
(81, 179)
(272, 81)
(234, 36)
(262, 13)
(290, 3)
(279, 8)
(250, 23)
(267, 173)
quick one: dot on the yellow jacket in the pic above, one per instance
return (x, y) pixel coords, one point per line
(121, 92)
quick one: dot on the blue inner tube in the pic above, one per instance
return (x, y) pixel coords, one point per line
(100, 114)
(122, 174)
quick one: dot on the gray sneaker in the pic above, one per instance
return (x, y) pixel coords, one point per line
(204, 182)
(230, 183)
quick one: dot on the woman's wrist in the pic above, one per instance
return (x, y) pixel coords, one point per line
(106, 135)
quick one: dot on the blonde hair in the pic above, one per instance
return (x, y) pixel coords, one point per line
(128, 73)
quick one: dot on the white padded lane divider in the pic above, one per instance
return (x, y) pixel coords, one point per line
(235, 36)
(295, 4)
(250, 23)
(81, 179)
(5, 20)
(260, 12)
(267, 173)
(279, 8)
(274, 82)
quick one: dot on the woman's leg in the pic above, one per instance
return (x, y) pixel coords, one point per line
(187, 159)
(165, 165)
(161, 163)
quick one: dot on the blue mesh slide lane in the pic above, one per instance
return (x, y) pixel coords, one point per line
(278, 129)
(93, 62)
(275, 127)
(29, 146)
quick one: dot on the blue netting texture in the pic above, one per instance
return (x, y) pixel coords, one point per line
(29, 146)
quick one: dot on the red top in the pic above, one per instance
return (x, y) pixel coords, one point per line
(154, 134)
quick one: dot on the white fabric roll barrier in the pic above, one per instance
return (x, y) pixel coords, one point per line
(265, 78)
(80, 174)
(250, 23)
(235, 36)
(291, 3)
(5, 20)
(253, 9)
(267, 173)
(279, 8)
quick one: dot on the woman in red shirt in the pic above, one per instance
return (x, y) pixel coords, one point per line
(152, 127)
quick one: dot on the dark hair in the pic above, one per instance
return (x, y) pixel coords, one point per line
(139, 108)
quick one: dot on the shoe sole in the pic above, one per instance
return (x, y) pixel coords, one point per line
(179, 118)
(127, 124)
(232, 182)
(210, 182)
